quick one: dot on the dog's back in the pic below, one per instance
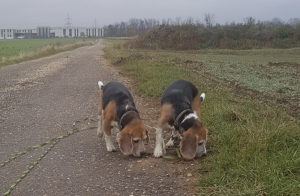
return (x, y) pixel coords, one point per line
(173, 95)
(117, 92)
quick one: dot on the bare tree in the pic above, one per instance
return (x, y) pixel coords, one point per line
(277, 21)
(249, 21)
(209, 19)
(294, 21)
(190, 21)
(198, 22)
(178, 21)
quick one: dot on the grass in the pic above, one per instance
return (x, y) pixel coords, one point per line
(253, 147)
(19, 50)
(116, 41)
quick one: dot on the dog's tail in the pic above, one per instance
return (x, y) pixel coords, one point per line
(202, 97)
(101, 85)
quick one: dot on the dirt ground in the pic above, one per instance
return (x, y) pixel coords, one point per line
(41, 99)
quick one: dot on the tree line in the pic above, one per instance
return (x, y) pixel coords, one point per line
(194, 34)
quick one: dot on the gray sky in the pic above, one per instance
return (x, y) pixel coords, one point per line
(53, 13)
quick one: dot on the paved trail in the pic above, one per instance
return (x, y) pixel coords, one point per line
(40, 100)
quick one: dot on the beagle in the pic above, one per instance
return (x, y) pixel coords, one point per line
(117, 109)
(180, 111)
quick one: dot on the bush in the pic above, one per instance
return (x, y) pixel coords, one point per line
(234, 36)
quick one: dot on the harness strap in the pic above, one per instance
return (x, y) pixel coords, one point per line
(176, 122)
(120, 121)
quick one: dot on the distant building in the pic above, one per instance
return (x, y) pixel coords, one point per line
(24, 33)
(7, 33)
(43, 32)
(76, 32)
(47, 32)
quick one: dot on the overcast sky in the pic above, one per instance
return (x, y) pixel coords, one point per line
(53, 13)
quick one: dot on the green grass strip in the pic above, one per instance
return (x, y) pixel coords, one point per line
(26, 172)
(170, 157)
(87, 128)
(178, 153)
(164, 147)
(36, 146)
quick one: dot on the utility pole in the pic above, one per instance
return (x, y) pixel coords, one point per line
(95, 24)
(68, 24)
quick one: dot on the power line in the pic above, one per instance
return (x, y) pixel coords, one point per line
(95, 23)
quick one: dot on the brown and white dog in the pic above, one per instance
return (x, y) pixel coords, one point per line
(117, 109)
(180, 111)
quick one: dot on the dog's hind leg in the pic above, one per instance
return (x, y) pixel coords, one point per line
(100, 111)
(174, 136)
(170, 143)
(100, 128)
(108, 137)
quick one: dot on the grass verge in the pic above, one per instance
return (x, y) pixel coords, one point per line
(253, 148)
(16, 51)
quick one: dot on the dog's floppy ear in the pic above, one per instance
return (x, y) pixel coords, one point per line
(125, 143)
(188, 146)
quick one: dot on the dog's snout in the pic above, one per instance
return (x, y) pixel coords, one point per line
(139, 154)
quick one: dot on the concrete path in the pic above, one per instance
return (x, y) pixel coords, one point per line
(41, 99)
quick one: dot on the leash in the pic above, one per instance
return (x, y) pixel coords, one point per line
(149, 126)
(164, 148)
(53, 142)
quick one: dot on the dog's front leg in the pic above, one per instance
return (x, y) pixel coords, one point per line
(109, 145)
(158, 152)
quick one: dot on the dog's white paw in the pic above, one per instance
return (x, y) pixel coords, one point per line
(170, 143)
(158, 152)
(109, 145)
(111, 148)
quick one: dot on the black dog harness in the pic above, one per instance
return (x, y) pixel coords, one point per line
(124, 120)
(179, 120)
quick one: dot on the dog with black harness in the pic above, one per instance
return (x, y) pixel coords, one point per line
(180, 112)
(117, 109)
